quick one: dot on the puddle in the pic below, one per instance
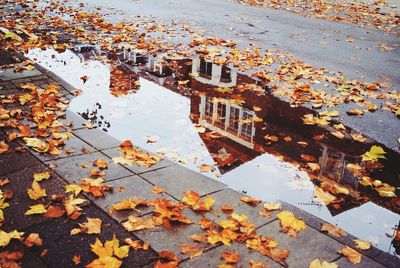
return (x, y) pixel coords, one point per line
(189, 121)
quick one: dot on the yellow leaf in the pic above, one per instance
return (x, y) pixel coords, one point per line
(41, 176)
(351, 255)
(288, 220)
(272, 206)
(105, 262)
(36, 192)
(374, 154)
(386, 190)
(37, 144)
(92, 226)
(228, 224)
(130, 203)
(317, 264)
(36, 209)
(360, 244)
(5, 237)
(74, 188)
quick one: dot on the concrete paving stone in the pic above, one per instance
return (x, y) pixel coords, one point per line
(177, 179)
(19, 160)
(133, 186)
(387, 259)
(232, 198)
(20, 81)
(212, 258)
(316, 223)
(73, 143)
(309, 245)
(161, 238)
(39, 78)
(9, 74)
(73, 120)
(115, 152)
(62, 246)
(365, 263)
(97, 138)
(20, 181)
(71, 168)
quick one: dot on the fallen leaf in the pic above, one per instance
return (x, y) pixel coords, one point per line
(41, 176)
(130, 203)
(272, 206)
(230, 257)
(250, 200)
(36, 191)
(3, 147)
(33, 240)
(5, 237)
(351, 255)
(375, 153)
(333, 230)
(191, 250)
(100, 163)
(157, 190)
(168, 259)
(317, 264)
(92, 226)
(206, 168)
(36, 209)
(360, 244)
(290, 224)
(76, 259)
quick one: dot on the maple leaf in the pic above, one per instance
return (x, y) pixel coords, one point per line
(193, 199)
(250, 200)
(92, 226)
(96, 187)
(214, 237)
(36, 192)
(36, 209)
(3, 147)
(137, 223)
(130, 203)
(386, 190)
(9, 259)
(230, 257)
(76, 259)
(375, 153)
(74, 188)
(351, 255)
(272, 206)
(137, 244)
(257, 264)
(317, 264)
(157, 190)
(54, 212)
(41, 176)
(333, 230)
(168, 259)
(100, 163)
(37, 144)
(364, 245)
(5, 237)
(33, 240)
(191, 250)
(109, 253)
(290, 223)
(227, 208)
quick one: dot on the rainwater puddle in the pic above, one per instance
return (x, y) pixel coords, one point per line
(176, 118)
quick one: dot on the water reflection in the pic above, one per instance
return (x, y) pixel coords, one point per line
(210, 114)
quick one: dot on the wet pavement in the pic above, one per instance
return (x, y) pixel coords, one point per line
(155, 109)
(309, 245)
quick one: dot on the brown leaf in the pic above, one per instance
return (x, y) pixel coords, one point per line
(33, 240)
(230, 257)
(191, 250)
(333, 230)
(351, 255)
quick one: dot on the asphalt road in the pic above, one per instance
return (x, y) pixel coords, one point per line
(318, 42)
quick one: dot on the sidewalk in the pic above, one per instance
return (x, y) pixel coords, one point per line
(137, 181)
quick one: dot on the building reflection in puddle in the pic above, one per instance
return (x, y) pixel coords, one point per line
(175, 105)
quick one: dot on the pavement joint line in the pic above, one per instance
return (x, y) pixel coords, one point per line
(213, 192)
(156, 169)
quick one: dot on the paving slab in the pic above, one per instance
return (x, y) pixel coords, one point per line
(73, 146)
(9, 74)
(97, 138)
(137, 169)
(73, 120)
(133, 186)
(20, 181)
(161, 238)
(212, 258)
(231, 197)
(71, 168)
(177, 179)
(57, 239)
(309, 245)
